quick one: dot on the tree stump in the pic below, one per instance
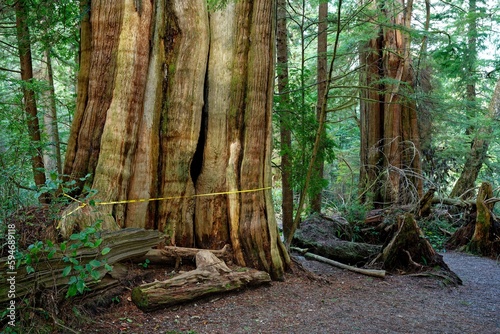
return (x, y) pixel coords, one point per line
(211, 276)
(409, 252)
(480, 242)
(481, 233)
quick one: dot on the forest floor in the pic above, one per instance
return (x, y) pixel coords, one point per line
(331, 301)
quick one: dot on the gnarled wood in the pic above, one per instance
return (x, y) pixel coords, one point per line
(481, 238)
(409, 251)
(210, 277)
(191, 253)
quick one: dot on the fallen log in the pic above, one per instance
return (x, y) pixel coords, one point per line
(321, 236)
(211, 276)
(124, 244)
(368, 272)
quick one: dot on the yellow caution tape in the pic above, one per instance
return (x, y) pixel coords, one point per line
(83, 204)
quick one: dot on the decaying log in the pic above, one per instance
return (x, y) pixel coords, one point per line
(124, 244)
(344, 251)
(321, 235)
(368, 272)
(211, 276)
(185, 253)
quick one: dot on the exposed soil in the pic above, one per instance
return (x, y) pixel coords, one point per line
(331, 301)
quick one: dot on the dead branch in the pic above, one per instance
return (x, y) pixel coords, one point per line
(368, 272)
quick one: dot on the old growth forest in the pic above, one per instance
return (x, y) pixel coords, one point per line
(235, 166)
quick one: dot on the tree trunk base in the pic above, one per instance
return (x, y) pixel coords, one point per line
(410, 252)
(481, 234)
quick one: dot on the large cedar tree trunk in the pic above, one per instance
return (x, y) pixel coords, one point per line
(174, 103)
(390, 157)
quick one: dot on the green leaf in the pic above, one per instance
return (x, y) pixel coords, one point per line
(51, 254)
(71, 291)
(95, 275)
(63, 246)
(75, 236)
(66, 271)
(95, 263)
(80, 285)
(90, 230)
(105, 251)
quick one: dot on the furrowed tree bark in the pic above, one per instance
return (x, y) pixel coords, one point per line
(30, 108)
(165, 119)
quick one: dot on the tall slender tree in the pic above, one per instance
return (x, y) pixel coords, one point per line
(475, 158)
(284, 114)
(322, 74)
(30, 107)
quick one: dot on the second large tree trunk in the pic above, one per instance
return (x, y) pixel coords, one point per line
(390, 149)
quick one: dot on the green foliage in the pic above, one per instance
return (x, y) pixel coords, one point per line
(434, 228)
(53, 26)
(144, 264)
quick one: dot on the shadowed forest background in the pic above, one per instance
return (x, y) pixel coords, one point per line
(242, 122)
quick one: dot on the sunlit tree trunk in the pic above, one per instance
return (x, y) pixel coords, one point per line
(177, 105)
(24, 46)
(390, 157)
(464, 187)
(322, 73)
(284, 118)
(52, 151)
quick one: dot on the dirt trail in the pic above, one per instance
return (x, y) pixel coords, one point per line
(346, 303)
